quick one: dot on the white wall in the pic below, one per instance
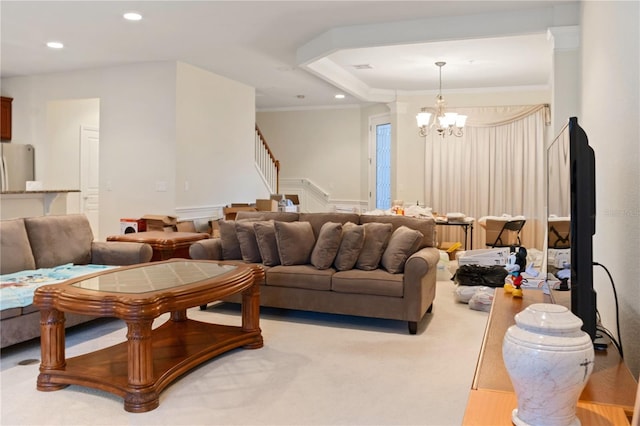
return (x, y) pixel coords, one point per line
(61, 156)
(215, 142)
(142, 153)
(137, 131)
(610, 112)
(322, 145)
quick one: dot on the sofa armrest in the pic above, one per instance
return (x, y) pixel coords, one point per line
(420, 272)
(120, 253)
(209, 249)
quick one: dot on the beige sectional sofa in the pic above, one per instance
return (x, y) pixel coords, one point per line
(37, 243)
(340, 263)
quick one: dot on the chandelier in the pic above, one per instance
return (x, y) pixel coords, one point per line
(449, 123)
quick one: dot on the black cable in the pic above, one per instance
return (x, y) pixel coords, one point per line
(613, 340)
(615, 297)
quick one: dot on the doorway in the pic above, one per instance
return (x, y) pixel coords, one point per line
(90, 176)
(67, 162)
(380, 162)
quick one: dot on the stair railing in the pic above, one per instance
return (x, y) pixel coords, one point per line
(266, 163)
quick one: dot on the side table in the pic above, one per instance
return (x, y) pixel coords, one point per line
(165, 245)
(608, 396)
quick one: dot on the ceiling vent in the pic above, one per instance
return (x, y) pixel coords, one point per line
(363, 67)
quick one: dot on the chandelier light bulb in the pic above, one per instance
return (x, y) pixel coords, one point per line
(445, 123)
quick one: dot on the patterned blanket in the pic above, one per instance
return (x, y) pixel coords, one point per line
(17, 289)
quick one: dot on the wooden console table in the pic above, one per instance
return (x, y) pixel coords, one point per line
(607, 398)
(165, 245)
(151, 358)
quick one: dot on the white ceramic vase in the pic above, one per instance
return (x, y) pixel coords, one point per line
(549, 359)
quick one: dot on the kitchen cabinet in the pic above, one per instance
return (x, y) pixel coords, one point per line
(5, 119)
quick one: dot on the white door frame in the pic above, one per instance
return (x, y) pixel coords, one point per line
(374, 120)
(89, 179)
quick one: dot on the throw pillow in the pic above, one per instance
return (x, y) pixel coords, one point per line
(266, 238)
(350, 246)
(376, 238)
(229, 240)
(403, 243)
(295, 242)
(248, 244)
(327, 245)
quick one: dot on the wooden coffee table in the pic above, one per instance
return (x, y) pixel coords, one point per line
(140, 368)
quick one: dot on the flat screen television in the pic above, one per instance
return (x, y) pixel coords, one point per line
(571, 220)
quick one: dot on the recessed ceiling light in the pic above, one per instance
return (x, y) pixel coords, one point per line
(55, 45)
(132, 16)
(339, 96)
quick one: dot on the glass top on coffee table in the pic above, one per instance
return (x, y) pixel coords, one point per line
(154, 277)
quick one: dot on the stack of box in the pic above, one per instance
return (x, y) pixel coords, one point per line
(230, 212)
(267, 205)
(287, 202)
(164, 223)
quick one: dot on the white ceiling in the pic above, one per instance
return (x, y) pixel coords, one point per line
(286, 48)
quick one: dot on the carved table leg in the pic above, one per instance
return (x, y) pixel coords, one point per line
(51, 348)
(251, 314)
(178, 316)
(141, 392)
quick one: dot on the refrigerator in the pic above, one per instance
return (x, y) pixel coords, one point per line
(16, 166)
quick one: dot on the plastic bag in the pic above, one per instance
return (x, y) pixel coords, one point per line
(463, 293)
(482, 299)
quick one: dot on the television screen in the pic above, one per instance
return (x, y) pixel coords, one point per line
(571, 220)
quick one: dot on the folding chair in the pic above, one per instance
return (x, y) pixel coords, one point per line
(509, 234)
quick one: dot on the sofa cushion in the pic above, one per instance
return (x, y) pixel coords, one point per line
(376, 238)
(426, 226)
(318, 219)
(57, 240)
(299, 276)
(378, 282)
(295, 242)
(266, 238)
(350, 246)
(327, 245)
(15, 249)
(248, 244)
(229, 240)
(402, 244)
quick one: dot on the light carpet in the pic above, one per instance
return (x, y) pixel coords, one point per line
(314, 369)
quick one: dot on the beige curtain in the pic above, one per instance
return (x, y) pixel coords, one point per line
(495, 168)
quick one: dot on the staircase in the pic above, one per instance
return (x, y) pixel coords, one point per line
(266, 164)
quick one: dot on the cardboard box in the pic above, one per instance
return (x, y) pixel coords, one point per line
(293, 197)
(267, 205)
(293, 203)
(485, 257)
(230, 212)
(128, 226)
(450, 248)
(559, 234)
(493, 227)
(157, 222)
(186, 226)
